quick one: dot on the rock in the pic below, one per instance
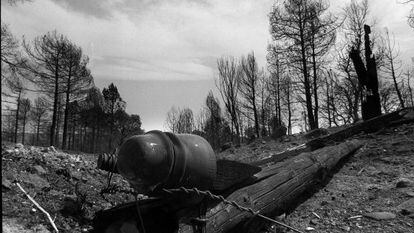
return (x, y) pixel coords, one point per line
(346, 228)
(380, 215)
(36, 181)
(409, 193)
(65, 172)
(55, 193)
(52, 149)
(309, 229)
(71, 207)
(40, 229)
(407, 207)
(323, 203)
(15, 226)
(404, 182)
(5, 184)
(281, 217)
(314, 222)
(9, 151)
(49, 149)
(19, 146)
(39, 169)
(76, 176)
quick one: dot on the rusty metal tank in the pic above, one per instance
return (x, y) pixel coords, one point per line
(166, 160)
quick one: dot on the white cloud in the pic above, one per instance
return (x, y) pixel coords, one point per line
(172, 37)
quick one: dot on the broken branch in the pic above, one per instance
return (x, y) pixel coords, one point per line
(38, 206)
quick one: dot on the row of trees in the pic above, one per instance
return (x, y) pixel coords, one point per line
(310, 80)
(69, 109)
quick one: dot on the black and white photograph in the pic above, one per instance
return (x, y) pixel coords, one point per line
(207, 116)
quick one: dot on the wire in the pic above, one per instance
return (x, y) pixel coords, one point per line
(233, 203)
(139, 214)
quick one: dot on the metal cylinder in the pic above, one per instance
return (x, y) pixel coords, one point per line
(107, 162)
(166, 160)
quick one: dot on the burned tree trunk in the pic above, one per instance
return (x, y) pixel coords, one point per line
(368, 79)
(278, 186)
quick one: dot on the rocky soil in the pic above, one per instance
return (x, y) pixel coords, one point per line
(372, 192)
(68, 186)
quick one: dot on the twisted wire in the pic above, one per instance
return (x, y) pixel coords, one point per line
(233, 203)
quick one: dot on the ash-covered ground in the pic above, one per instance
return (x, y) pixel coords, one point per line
(372, 192)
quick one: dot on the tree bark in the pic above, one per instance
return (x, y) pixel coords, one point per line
(38, 131)
(368, 79)
(397, 89)
(66, 120)
(270, 195)
(16, 125)
(24, 126)
(55, 105)
(315, 85)
(306, 83)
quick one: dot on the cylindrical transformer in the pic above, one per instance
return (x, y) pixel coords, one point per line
(166, 160)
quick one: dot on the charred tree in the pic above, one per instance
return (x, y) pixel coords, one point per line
(367, 78)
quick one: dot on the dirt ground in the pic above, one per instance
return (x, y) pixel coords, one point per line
(378, 178)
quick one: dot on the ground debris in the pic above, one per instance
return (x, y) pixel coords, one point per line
(380, 215)
(70, 187)
(51, 178)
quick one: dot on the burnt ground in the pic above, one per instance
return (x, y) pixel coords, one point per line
(378, 178)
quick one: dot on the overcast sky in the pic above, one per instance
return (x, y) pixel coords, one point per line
(163, 53)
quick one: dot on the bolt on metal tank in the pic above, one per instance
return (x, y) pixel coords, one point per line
(166, 160)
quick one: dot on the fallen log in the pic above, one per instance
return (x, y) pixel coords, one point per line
(267, 193)
(279, 156)
(278, 186)
(399, 117)
(368, 126)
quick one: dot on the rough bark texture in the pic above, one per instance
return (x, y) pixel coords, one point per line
(371, 125)
(367, 78)
(280, 187)
(368, 126)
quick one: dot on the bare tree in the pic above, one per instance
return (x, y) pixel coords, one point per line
(38, 112)
(248, 87)
(287, 89)
(113, 103)
(391, 64)
(78, 80)
(172, 118)
(25, 108)
(229, 77)
(322, 36)
(185, 122)
(264, 97)
(276, 67)
(10, 55)
(389, 102)
(410, 96)
(47, 57)
(349, 79)
(290, 22)
(200, 121)
(410, 17)
(180, 120)
(17, 89)
(356, 14)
